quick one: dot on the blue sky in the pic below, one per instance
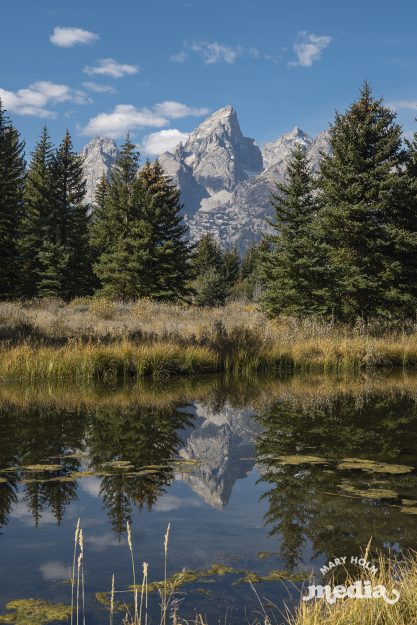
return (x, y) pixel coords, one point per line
(157, 68)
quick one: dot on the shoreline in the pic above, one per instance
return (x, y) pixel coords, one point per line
(78, 361)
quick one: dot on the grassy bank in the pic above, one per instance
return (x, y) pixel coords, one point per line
(97, 339)
(392, 574)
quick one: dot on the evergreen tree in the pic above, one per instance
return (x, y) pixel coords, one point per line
(12, 176)
(71, 219)
(98, 236)
(366, 221)
(292, 269)
(53, 260)
(114, 227)
(37, 223)
(212, 290)
(231, 268)
(207, 255)
(406, 235)
(165, 246)
(210, 285)
(250, 286)
(146, 253)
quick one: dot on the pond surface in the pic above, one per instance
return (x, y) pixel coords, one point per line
(256, 475)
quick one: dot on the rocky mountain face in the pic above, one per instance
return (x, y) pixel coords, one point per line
(223, 443)
(226, 180)
(99, 156)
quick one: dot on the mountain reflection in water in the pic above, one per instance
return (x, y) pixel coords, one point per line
(322, 464)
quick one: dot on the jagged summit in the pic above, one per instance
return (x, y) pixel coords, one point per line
(279, 150)
(226, 181)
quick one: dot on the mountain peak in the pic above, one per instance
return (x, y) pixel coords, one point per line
(223, 113)
(216, 155)
(279, 150)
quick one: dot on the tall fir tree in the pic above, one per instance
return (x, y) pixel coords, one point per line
(12, 177)
(208, 268)
(231, 267)
(98, 237)
(250, 283)
(406, 236)
(207, 255)
(165, 244)
(365, 216)
(37, 220)
(116, 266)
(71, 220)
(139, 226)
(293, 267)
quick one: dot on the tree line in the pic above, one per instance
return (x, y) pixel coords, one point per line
(343, 242)
(131, 243)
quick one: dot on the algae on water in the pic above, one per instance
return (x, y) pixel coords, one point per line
(35, 612)
(371, 466)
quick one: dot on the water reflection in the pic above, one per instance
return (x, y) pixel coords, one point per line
(339, 509)
(209, 434)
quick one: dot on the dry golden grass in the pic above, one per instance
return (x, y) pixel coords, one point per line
(94, 338)
(401, 576)
(89, 362)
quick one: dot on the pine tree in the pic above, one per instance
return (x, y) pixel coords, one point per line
(71, 219)
(98, 237)
(365, 216)
(292, 269)
(53, 259)
(12, 176)
(140, 229)
(37, 223)
(231, 268)
(406, 232)
(207, 255)
(250, 284)
(208, 267)
(117, 227)
(167, 251)
(212, 290)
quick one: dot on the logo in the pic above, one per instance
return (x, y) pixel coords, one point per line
(356, 590)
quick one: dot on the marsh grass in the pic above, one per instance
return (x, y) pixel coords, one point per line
(92, 339)
(392, 573)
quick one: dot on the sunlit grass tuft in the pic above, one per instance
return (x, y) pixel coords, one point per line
(98, 339)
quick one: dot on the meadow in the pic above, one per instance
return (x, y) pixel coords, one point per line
(96, 339)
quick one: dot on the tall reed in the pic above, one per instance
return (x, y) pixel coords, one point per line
(76, 535)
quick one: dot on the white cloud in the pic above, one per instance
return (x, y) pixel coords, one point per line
(97, 88)
(180, 57)
(53, 571)
(34, 99)
(309, 47)
(100, 542)
(21, 512)
(213, 52)
(172, 502)
(403, 104)
(126, 117)
(68, 37)
(163, 141)
(110, 67)
(91, 485)
(176, 110)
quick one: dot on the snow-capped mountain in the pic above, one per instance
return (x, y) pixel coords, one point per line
(225, 179)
